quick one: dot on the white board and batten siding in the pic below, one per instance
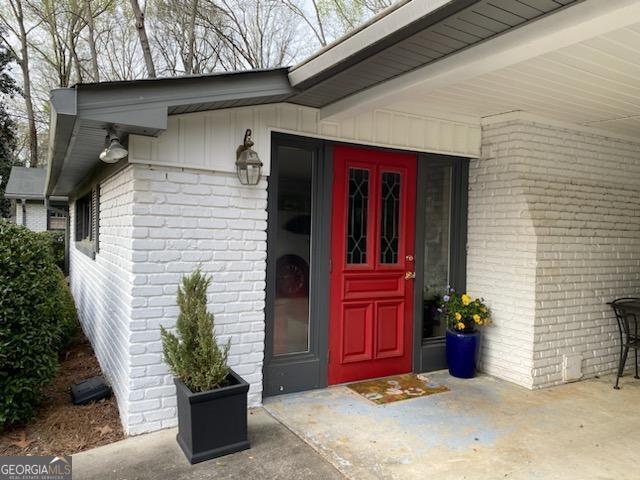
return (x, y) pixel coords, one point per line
(208, 140)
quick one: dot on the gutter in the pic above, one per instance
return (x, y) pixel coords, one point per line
(62, 130)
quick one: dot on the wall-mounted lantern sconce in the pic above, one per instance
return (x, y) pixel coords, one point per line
(248, 163)
(113, 151)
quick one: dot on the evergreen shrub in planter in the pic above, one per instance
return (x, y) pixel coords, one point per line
(212, 399)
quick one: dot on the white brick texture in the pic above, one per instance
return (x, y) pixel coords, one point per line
(36, 215)
(501, 257)
(157, 224)
(182, 220)
(102, 287)
(554, 234)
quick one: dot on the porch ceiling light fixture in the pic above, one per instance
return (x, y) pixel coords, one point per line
(114, 151)
(248, 163)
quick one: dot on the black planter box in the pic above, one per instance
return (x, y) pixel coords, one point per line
(213, 423)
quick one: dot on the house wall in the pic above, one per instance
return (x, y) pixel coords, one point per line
(553, 235)
(180, 205)
(103, 287)
(183, 219)
(36, 214)
(157, 224)
(501, 255)
(584, 195)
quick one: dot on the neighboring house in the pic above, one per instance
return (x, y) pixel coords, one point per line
(25, 189)
(490, 145)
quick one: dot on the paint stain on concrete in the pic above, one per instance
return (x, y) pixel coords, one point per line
(484, 427)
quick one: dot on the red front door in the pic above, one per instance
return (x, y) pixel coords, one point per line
(372, 248)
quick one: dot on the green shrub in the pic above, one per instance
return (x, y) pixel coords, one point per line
(35, 319)
(68, 318)
(194, 355)
(56, 242)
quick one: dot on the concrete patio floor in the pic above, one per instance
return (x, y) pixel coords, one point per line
(482, 428)
(275, 453)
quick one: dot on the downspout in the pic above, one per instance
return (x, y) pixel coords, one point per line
(46, 211)
(67, 243)
(23, 201)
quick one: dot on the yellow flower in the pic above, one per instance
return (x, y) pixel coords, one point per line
(460, 326)
(458, 316)
(476, 318)
(483, 310)
(466, 299)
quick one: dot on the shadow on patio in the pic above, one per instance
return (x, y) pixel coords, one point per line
(482, 428)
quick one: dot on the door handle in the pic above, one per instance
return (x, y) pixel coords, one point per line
(409, 258)
(409, 275)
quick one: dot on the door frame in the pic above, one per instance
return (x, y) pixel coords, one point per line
(301, 371)
(305, 371)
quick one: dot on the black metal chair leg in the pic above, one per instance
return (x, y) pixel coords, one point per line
(624, 351)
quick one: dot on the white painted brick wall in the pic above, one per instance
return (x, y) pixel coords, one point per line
(560, 208)
(584, 197)
(36, 216)
(157, 224)
(501, 261)
(102, 288)
(183, 219)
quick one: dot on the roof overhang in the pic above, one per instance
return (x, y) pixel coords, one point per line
(410, 36)
(382, 30)
(82, 115)
(584, 20)
(27, 184)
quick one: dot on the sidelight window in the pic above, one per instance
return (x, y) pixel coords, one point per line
(291, 305)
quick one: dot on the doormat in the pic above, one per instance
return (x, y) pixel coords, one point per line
(398, 387)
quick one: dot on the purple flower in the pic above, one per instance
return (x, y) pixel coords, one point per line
(446, 298)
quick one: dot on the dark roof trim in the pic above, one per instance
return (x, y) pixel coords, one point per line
(98, 100)
(339, 41)
(414, 35)
(82, 114)
(392, 38)
(178, 80)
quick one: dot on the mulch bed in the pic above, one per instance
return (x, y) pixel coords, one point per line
(62, 428)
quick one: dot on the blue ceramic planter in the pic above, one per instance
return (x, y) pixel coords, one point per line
(462, 353)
